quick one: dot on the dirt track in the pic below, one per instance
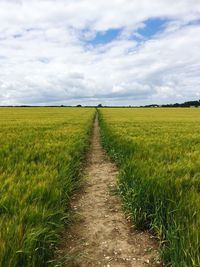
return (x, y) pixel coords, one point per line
(102, 236)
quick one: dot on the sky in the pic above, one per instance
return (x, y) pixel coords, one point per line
(116, 52)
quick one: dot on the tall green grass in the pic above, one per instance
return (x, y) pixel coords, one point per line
(158, 152)
(41, 150)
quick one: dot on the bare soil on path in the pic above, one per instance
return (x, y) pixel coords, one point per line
(102, 236)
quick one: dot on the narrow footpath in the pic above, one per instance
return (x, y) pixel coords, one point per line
(102, 236)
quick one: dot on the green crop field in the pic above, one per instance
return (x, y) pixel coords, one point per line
(41, 150)
(158, 152)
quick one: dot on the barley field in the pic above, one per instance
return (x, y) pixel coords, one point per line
(158, 153)
(41, 150)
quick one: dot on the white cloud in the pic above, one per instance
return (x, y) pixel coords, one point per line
(46, 56)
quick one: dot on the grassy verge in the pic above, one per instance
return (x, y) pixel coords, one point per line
(41, 151)
(157, 152)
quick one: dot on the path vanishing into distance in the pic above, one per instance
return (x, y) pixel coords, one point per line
(102, 236)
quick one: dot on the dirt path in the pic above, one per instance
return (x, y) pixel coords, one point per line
(102, 236)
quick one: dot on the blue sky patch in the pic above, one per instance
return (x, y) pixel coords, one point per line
(105, 37)
(194, 22)
(152, 27)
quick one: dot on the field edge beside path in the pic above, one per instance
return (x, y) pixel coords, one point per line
(101, 234)
(158, 180)
(41, 155)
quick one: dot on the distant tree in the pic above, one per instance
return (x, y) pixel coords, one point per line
(78, 106)
(100, 106)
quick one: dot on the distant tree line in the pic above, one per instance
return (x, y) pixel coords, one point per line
(195, 103)
(184, 105)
